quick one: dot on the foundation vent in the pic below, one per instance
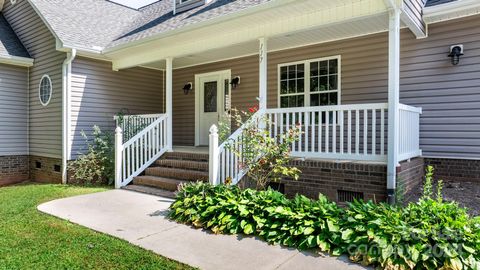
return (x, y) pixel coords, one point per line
(348, 196)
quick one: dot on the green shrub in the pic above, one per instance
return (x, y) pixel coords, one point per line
(430, 234)
(97, 164)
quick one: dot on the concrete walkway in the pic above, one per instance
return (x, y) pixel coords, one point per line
(140, 219)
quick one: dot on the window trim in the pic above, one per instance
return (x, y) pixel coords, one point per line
(307, 92)
(40, 88)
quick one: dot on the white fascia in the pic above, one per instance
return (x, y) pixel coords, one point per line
(451, 10)
(16, 61)
(260, 7)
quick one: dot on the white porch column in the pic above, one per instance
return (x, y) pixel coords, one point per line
(168, 101)
(262, 53)
(393, 101)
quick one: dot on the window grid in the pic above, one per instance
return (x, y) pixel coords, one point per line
(45, 90)
(320, 79)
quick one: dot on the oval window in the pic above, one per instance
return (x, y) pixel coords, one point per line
(45, 90)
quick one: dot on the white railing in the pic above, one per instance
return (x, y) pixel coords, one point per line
(226, 161)
(347, 132)
(133, 124)
(141, 150)
(409, 129)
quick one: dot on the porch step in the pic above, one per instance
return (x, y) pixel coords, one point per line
(151, 191)
(185, 156)
(183, 164)
(175, 173)
(167, 184)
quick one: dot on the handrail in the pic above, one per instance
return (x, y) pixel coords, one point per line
(140, 151)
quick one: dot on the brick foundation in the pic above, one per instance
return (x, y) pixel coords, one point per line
(328, 177)
(455, 169)
(45, 169)
(13, 169)
(367, 179)
(410, 175)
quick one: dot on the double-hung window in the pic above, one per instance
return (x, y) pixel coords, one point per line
(313, 82)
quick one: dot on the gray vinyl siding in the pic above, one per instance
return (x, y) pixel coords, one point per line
(414, 9)
(45, 122)
(13, 110)
(449, 95)
(98, 93)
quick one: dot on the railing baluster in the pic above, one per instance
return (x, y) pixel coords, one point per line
(320, 130)
(349, 130)
(382, 132)
(327, 131)
(312, 143)
(374, 131)
(365, 132)
(357, 132)
(334, 132)
(341, 115)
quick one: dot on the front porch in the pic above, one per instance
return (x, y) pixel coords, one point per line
(345, 117)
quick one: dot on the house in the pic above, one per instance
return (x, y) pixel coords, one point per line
(381, 88)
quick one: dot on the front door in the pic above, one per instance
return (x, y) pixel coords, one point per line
(213, 98)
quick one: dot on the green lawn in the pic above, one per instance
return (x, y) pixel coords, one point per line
(30, 239)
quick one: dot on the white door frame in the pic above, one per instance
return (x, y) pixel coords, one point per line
(227, 74)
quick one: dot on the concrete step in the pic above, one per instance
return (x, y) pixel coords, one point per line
(185, 156)
(158, 182)
(174, 173)
(183, 164)
(151, 191)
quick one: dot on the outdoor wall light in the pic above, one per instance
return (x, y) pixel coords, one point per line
(187, 88)
(455, 52)
(235, 82)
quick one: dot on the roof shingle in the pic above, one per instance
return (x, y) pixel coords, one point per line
(10, 45)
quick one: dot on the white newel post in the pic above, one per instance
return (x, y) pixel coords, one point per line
(168, 101)
(118, 157)
(213, 164)
(393, 101)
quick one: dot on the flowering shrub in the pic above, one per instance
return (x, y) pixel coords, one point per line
(429, 234)
(265, 157)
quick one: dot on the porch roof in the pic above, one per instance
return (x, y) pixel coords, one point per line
(286, 24)
(12, 50)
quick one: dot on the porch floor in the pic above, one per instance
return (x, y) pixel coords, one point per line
(141, 220)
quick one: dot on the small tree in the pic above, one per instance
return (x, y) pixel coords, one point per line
(265, 157)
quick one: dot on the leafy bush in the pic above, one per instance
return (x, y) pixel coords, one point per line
(265, 157)
(430, 234)
(97, 164)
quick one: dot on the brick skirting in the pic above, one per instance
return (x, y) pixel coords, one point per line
(13, 169)
(45, 169)
(368, 180)
(455, 169)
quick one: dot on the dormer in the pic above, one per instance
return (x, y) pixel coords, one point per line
(183, 5)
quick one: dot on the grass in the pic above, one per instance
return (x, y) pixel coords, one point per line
(30, 239)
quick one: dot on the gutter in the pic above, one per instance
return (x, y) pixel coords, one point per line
(66, 112)
(265, 6)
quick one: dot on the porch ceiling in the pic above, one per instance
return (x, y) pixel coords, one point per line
(326, 33)
(286, 25)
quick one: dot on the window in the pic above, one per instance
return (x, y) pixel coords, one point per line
(45, 90)
(310, 83)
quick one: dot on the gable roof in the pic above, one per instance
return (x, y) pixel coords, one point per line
(96, 25)
(10, 46)
(99, 24)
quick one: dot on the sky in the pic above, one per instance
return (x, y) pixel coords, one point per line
(136, 4)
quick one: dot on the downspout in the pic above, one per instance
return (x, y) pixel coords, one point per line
(66, 111)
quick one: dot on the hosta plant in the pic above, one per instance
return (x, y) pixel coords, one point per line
(429, 234)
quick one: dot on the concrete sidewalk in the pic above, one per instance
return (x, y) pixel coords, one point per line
(140, 219)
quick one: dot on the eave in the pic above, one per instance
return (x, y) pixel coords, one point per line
(16, 60)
